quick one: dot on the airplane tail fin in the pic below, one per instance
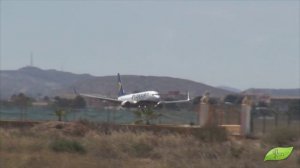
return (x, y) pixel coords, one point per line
(75, 91)
(121, 91)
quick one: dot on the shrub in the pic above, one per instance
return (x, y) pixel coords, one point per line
(59, 126)
(141, 149)
(281, 137)
(298, 159)
(236, 151)
(88, 123)
(63, 145)
(104, 127)
(210, 134)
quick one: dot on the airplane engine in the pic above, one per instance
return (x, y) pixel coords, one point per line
(125, 104)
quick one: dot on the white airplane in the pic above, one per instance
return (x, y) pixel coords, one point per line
(140, 99)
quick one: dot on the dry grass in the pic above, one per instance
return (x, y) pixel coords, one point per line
(31, 147)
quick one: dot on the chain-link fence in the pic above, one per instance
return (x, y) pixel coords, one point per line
(262, 119)
(119, 116)
(265, 119)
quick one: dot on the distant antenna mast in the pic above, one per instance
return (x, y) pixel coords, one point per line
(31, 59)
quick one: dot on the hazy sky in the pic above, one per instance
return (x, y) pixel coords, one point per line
(233, 43)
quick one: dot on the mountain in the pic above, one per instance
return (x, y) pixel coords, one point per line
(37, 82)
(275, 92)
(230, 89)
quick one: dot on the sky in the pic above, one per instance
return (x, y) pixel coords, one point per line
(241, 44)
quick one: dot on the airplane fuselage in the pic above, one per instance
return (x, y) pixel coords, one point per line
(141, 96)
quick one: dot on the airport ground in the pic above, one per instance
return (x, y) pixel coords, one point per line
(86, 144)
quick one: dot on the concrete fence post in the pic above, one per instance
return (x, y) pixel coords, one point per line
(204, 110)
(203, 116)
(246, 116)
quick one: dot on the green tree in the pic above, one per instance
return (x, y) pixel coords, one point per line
(60, 113)
(233, 98)
(146, 115)
(196, 100)
(78, 102)
(63, 105)
(62, 102)
(22, 102)
(46, 98)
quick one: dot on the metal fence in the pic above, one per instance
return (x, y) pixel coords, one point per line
(262, 121)
(120, 116)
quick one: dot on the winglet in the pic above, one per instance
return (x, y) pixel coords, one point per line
(188, 96)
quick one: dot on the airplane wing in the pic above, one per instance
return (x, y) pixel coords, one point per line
(100, 97)
(176, 101)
